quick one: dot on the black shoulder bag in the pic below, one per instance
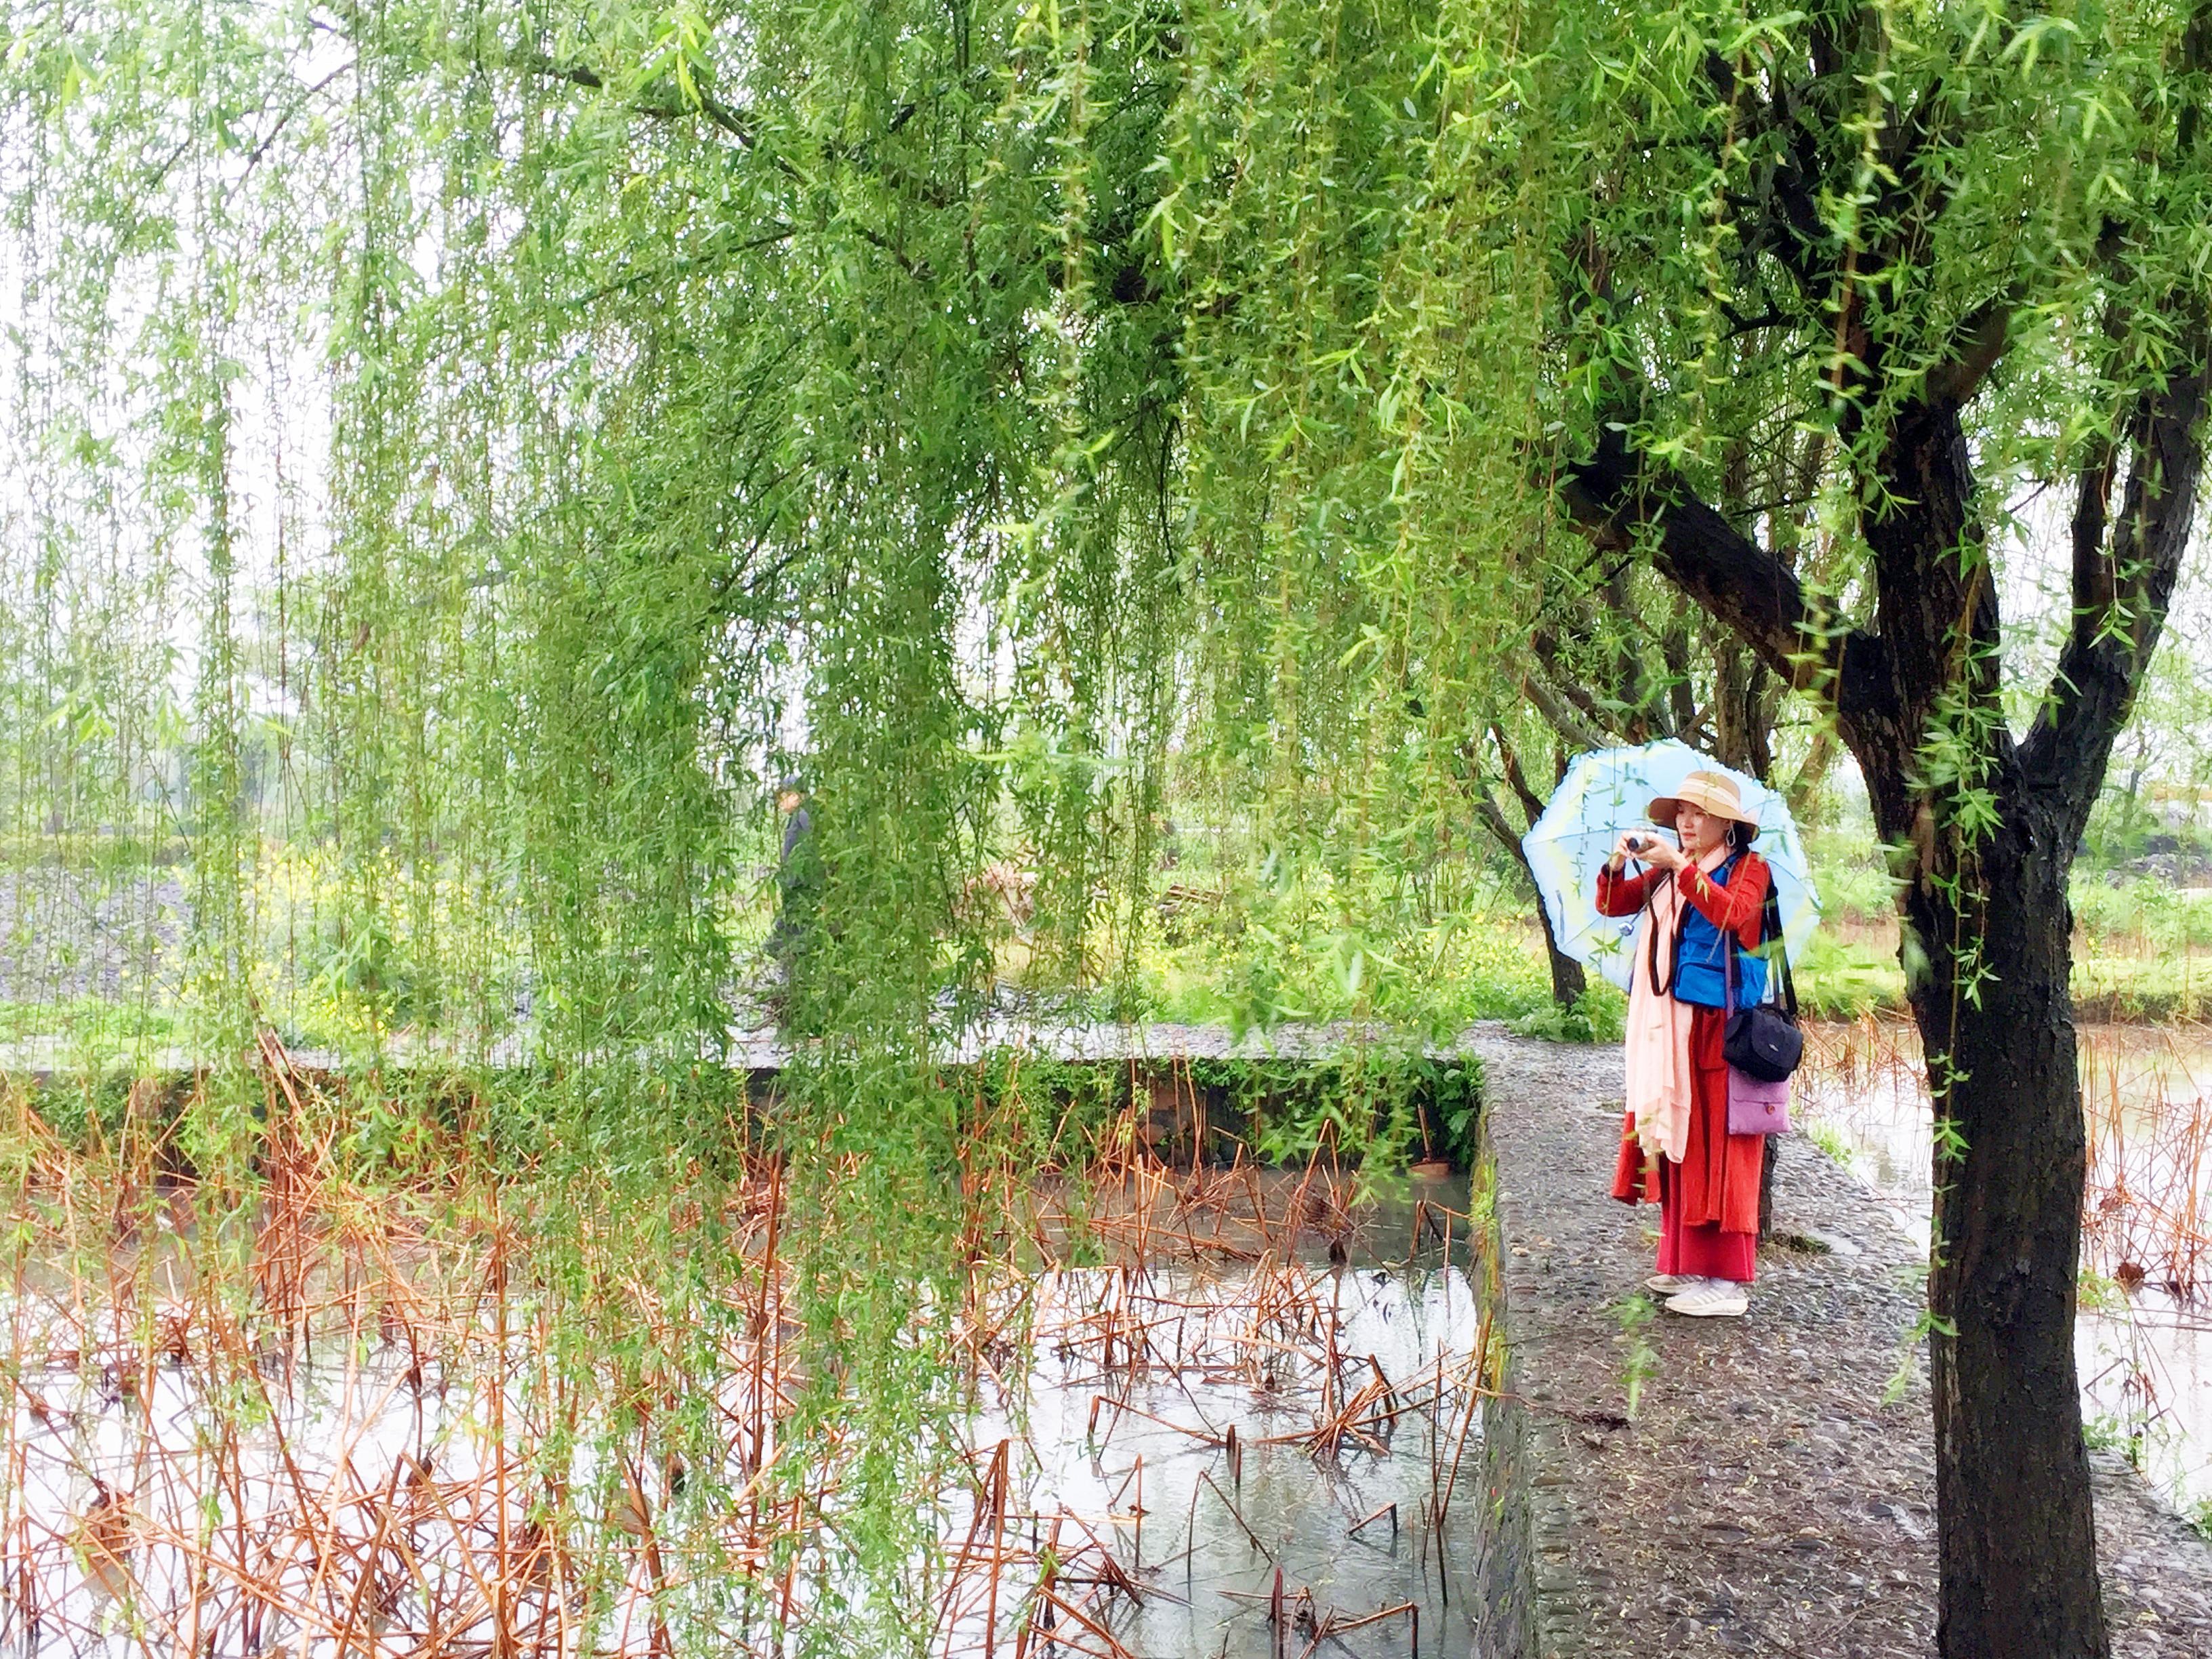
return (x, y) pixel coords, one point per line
(1763, 1041)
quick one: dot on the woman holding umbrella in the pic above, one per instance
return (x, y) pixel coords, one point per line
(1676, 1148)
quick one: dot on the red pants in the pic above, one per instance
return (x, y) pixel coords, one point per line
(1709, 1202)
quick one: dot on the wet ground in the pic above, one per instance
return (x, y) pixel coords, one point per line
(1771, 1491)
(66, 934)
(2145, 1334)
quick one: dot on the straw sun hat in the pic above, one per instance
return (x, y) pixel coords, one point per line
(1713, 794)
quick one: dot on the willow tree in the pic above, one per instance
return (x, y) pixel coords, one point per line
(1019, 397)
(1972, 248)
(530, 415)
(1919, 265)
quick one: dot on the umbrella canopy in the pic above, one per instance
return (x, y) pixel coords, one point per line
(1609, 790)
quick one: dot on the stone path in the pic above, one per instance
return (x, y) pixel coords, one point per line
(1775, 1492)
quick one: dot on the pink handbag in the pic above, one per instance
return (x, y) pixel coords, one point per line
(1756, 1106)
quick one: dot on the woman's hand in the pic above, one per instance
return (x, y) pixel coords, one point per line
(1653, 849)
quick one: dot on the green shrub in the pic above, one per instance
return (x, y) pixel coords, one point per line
(1599, 1015)
(93, 850)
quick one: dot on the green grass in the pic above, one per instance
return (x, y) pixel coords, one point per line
(2141, 980)
(2136, 941)
(1274, 964)
(93, 1035)
(106, 854)
(1830, 1139)
(1308, 952)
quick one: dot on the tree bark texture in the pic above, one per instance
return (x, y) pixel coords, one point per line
(1988, 929)
(1568, 979)
(1986, 825)
(1569, 982)
(1743, 710)
(2017, 1538)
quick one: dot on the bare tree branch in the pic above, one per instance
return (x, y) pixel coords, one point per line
(2123, 575)
(1619, 500)
(738, 125)
(1562, 714)
(1516, 779)
(1982, 343)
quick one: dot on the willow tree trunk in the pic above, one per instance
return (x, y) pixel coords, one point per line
(1984, 826)
(1568, 979)
(1985, 905)
(2017, 1534)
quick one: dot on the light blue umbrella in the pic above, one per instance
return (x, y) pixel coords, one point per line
(1609, 790)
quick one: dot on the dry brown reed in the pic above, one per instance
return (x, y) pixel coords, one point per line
(2146, 1212)
(362, 1423)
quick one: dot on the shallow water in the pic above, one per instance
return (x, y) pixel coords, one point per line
(1196, 1451)
(1208, 1522)
(2144, 1338)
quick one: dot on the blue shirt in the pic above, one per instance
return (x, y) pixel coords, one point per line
(1698, 962)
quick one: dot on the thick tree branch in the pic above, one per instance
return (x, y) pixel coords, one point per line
(2123, 574)
(1682, 695)
(1563, 681)
(1620, 500)
(1516, 780)
(2122, 583)
(1782, 216)
(1982, 343)
(1493, 819)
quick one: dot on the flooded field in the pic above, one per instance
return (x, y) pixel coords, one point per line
(2145, 1348)
(1238, 1430)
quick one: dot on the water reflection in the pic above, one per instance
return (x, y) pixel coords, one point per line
(1253, 1467)
(2144, 1343)
(1243, 1437)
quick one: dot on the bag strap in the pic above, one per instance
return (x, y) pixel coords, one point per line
(1771, 924)
(1651, 942)
(1728, 975)
(1770, 927)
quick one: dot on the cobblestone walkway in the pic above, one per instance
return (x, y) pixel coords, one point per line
(1774, 1493)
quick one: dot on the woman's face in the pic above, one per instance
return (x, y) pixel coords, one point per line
(1700, 831)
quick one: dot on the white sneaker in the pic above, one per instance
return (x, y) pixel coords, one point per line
(1716, 1298)
(1669, 1284)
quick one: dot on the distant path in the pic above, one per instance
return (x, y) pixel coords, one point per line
(1766, 1499)
(760, 1048)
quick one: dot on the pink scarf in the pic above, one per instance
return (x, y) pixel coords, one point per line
(1657, 1049)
